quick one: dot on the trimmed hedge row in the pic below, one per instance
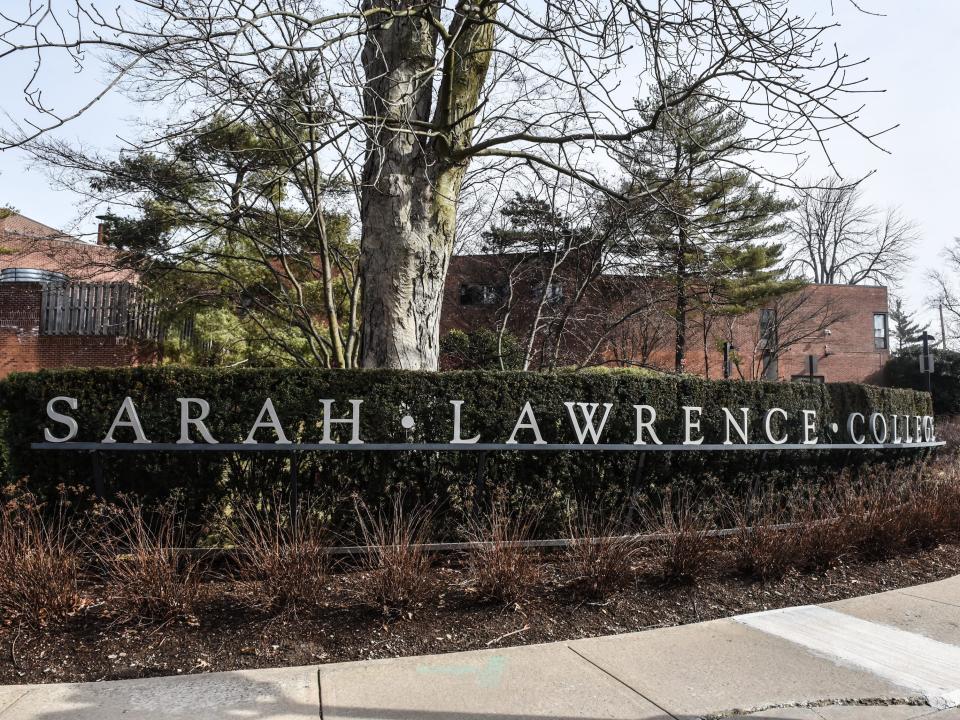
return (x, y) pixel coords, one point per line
(903, 371)
(454, 481)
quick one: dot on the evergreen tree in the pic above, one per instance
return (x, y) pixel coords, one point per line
(702, 226)
(905, 329)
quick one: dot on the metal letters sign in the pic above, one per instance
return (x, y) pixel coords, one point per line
(339, 428)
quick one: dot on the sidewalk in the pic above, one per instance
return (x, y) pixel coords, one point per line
(890, 656)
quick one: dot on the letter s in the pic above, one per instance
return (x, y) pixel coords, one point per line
(61, 418)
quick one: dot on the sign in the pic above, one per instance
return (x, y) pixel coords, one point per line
(926, 362)
(338, 427)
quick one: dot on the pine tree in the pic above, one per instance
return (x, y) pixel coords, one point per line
(905, 329)
(701, 229)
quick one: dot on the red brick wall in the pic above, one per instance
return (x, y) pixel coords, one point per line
(845, 353)
(22, 348)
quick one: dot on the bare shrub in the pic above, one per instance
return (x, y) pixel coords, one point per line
(602, 553)
(397, 564)
(948, 430)
(937, 501)
(286, 565)
(876, 512)
(500, 568)
(822, 537)
(880, 511)
(764, 540)
(39, 566)
(684, 548)
(149, 574)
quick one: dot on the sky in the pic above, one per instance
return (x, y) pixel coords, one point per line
(911, 47)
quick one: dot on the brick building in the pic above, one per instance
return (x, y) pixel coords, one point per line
(625, 320)
(66, 303)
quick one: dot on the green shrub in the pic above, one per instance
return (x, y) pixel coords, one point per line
(480, 350)
(456, 483)
(903, 371)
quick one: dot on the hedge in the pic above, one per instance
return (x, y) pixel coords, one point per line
(903, 371)
(456, 482)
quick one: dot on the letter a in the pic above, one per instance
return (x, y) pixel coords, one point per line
(526, 421)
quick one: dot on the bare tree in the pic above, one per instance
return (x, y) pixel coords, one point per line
(945, 298)
(417, 92)
(785, 322)
(836, 238)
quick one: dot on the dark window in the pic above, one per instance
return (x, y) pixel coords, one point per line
(552, 296)
(479, 295)
(880, 331)
(768, 329)
(770, 367)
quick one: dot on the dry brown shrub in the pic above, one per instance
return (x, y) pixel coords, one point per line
(822, 538)
(499, 568)
(396, 562)
(602, 554)
(764, 541)
(876, 511)
(285, 565)
(39, 565)
(149, 574)
(684, 548)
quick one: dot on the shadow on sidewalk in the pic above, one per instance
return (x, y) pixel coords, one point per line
(206, 697)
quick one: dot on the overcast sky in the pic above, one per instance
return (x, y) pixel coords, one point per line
(912, 52)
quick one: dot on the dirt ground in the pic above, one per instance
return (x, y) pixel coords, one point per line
(228, 633)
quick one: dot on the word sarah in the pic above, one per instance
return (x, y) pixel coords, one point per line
(586, 422)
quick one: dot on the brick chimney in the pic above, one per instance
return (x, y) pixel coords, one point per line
(103, 232)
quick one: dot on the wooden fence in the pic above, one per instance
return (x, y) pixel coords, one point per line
(121, 309)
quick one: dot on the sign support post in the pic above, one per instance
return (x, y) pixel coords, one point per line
(97, 466)
(294, 493)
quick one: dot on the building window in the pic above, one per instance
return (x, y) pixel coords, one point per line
(880, 339)
(479, 295)
(768, 329)
(771, 370)
(553, 295)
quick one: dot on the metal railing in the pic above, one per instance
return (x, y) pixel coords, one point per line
(115, 309)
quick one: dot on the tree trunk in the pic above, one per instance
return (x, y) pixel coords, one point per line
(408, 234)
(680, 357)
(412, 179)
(404, 250)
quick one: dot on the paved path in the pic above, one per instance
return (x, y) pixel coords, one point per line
(890, 656)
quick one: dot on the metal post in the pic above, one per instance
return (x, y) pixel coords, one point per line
(294, 493)
(925, 364)
(943, 330)
(727, 348)
(98, 485)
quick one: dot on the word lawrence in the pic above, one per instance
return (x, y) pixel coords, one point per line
(587, 421)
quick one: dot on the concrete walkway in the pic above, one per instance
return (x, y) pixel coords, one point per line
(890, 656)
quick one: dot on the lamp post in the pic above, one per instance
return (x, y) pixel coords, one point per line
(811, 367)
(728, 349)
(926, 359)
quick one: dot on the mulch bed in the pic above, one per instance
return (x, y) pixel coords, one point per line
(228, 635)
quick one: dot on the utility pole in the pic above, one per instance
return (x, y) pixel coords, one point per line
(926, 359)
(943, 330)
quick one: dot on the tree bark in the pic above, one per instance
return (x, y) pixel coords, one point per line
(413, 172)
(680, 357)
